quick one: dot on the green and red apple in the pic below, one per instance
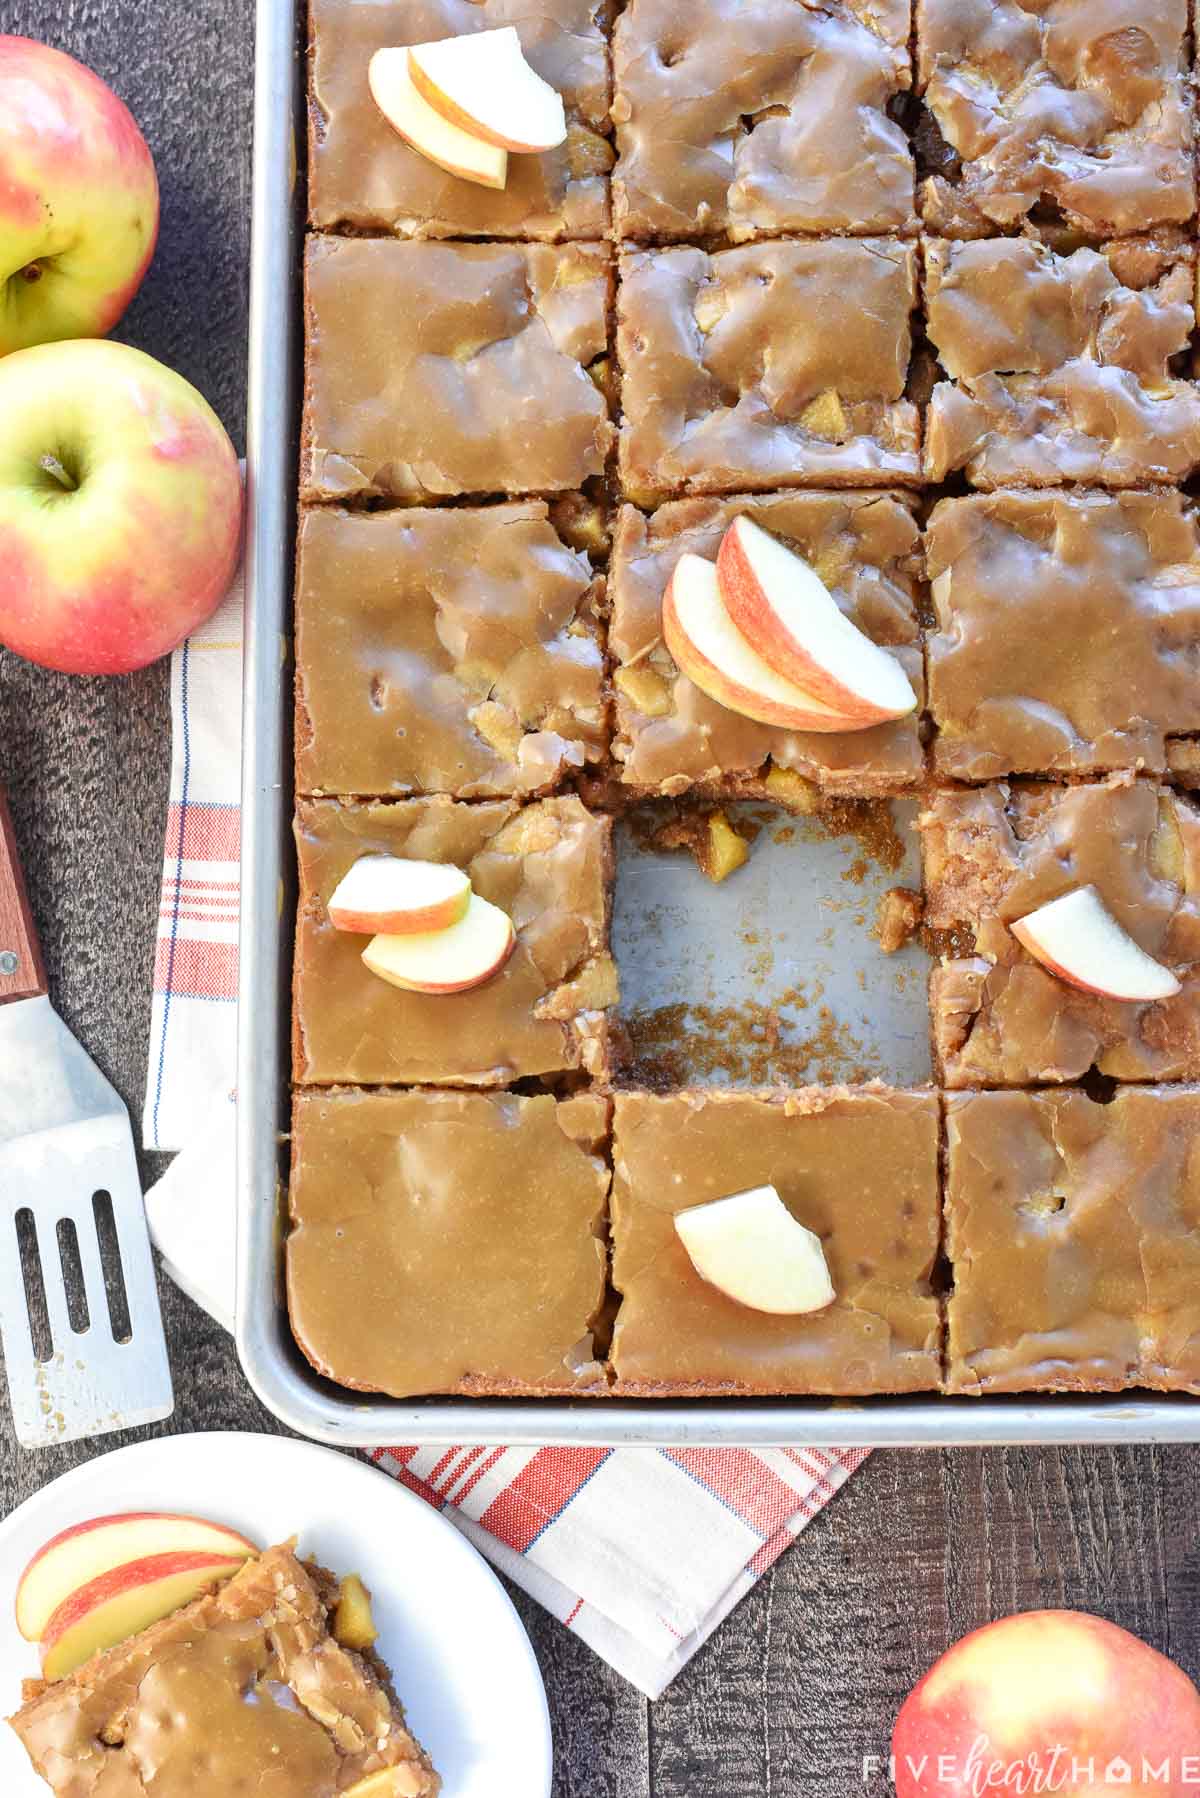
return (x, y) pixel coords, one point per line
(120, 507)
(78, 199)
(1049, 1702)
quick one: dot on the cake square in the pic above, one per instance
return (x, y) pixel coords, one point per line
(437, 369)
(671, 737)
(1059, 109)
(449, 1242)
(858, 1166)
(364, 177)
(548, 865)
(1062, 367)
(756, 121)
(708, 409)
(445, 650)
(243, 1690)
(996, 853)
(1068, 631)
(1073, 1229)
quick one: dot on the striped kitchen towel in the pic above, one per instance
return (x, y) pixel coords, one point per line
(193, 1021)
(642, 1552)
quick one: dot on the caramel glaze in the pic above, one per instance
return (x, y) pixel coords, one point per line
(470, 1222)
(242, 1694)
(1074, 1230)
(364, 177)
(436, 369)
(857, 1166)
(1085, 105)
(760, 120)
(1060, 364)
(453, 651)
(1068, 631)
(993, 855)
(547, 865)
(735, 371)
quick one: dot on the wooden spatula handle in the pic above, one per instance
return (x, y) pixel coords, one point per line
(22, 975)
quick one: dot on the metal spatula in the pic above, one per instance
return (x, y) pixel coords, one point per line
(79, 1316)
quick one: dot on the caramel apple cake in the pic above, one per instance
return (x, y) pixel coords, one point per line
(245, 1689)
(788, 407)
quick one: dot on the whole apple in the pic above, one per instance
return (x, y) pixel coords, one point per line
(1045, 1702)
(78, 199)
(120, 507)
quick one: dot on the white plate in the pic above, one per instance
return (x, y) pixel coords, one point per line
(464, 1669)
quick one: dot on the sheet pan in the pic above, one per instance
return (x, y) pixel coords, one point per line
(789, 939)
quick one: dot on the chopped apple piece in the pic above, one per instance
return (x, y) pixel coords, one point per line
(795, 791)
(788, 616)
(386, 895)
(86, 1551)
(723, 850)
(353, 1622)
(433, 135)
(404, 1781)
(752, 1249)
(124, 1601)
(446, 961)
(1077, 939)
(645, 689)
(483, 84)
(712, 652)
(825, 416)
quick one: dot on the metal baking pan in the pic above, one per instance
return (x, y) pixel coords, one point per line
(647, 935)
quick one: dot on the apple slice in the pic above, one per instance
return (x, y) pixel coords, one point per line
(752, 1249)
(83, 1553)
(1077, 939)
(123, 1601)
(386, 894)
(483, 84)
(785, 611)
(446, 961)
(440, 142)
(712, 652)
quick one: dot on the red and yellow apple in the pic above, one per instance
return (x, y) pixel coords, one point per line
(786, 613)
(120, 507)
(1078, 939)
(711, 651)
(389, 896)
(482, 83)
(1050, 1702)
(126, 1599)
(78, 199)
(438, 140)
(77, 1557)
(446, 961)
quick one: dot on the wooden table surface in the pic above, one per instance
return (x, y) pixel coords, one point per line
(805, 1678)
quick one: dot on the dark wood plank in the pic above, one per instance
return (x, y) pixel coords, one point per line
(920, 1549)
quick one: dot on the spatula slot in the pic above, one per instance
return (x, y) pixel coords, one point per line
(74, 1290)
(110, 1261)
(35, 1287)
